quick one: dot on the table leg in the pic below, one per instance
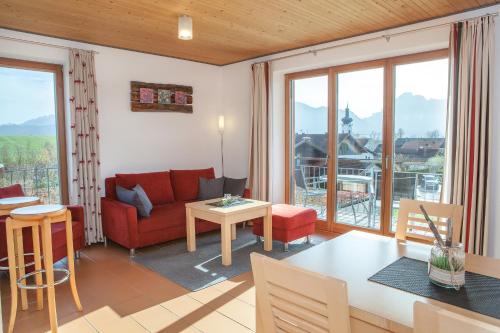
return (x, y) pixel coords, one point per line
(38, 266)
(225, 240)
(71, 260)
(49, 272)
(18, 232)
(12, 273)
(233, 231)
(190, 230)
(268, 230)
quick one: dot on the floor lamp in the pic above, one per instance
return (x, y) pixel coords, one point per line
(221, 132)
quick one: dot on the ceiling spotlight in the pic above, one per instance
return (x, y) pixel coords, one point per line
(185, 27)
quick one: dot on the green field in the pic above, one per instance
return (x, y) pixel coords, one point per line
(17, 151)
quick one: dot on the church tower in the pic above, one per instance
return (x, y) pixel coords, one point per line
(347, 122)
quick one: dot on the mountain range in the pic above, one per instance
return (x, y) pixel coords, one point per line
(415, 115)
(44, 125)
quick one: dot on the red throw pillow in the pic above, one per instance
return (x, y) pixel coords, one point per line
(11, 191)
(186, 182)
(157, 185)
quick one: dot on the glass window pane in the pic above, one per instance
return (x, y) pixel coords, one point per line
(360, 99)
(310, 151)
(28, 139)
(420, 104)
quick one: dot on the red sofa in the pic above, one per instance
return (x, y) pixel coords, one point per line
(168, 191)
(58, 229)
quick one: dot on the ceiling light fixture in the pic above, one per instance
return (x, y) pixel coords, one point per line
(185, 27)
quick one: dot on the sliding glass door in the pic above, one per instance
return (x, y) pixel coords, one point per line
(383, 123)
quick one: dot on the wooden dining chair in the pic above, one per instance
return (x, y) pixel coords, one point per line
(291, 299)
(411, 221)
(428, 318)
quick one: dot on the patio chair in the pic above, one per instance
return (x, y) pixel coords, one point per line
(309, 189)
(351, 199)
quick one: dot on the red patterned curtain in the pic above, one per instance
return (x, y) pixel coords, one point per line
(85, 141)
(471, 79)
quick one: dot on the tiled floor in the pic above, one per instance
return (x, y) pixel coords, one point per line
(119, 295)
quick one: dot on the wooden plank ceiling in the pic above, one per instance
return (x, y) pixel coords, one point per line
(225, 31)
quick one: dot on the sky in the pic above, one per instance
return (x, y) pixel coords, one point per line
(25, 95)
(363, 90)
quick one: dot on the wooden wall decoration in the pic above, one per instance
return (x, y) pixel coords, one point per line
(156, 97)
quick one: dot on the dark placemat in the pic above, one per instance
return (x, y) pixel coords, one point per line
(480, 294)
(220, 204)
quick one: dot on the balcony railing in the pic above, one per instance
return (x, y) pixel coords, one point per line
(425, 186)
(40, 181)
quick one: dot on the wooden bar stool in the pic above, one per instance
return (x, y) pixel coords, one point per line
(35, 217)
(6, 206)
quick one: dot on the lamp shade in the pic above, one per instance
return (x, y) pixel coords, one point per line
(185, 27)
(221, 123)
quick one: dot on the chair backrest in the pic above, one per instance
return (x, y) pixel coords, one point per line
(411, 221)
(300, 180)
(291, 299)
(428, 318)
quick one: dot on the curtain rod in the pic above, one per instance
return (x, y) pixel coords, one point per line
(386, 36)
(27, 41)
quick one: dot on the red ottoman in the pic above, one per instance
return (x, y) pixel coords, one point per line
(289, 223)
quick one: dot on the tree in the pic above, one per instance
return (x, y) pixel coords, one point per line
(436, 163)
(400, 133)
(433, 134)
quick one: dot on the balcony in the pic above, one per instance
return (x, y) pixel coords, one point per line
(41, 181)
(358, 191)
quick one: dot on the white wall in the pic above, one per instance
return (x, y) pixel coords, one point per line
(144, 141)
(412, 42)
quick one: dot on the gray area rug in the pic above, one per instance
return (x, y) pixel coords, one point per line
(203, 268)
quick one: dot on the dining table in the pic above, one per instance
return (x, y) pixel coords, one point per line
(356, 256)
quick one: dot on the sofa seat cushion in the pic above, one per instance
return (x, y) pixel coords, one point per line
(157, 185)
(163, 217)
(186, 182)
(11, 191)
(290, 217)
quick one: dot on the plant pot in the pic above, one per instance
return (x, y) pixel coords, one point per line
(447, 266)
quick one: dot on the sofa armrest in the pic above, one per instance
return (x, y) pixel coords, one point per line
(119, 221)
(247, 193)
(78, 219)
(77, 213)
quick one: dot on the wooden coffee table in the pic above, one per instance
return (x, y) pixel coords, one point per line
(227, 218)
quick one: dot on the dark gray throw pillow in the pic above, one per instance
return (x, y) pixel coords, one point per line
(234, 186)
(210, 188)
(132, 197)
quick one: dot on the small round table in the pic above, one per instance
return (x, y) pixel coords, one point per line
(39, 217)
(8, 204)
